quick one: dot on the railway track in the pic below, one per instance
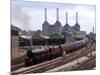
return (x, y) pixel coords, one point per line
(42, 67)
(74, 65)
(17, 63)
(17, 66)
(87, 65)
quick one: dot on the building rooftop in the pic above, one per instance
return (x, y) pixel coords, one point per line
(15, 28)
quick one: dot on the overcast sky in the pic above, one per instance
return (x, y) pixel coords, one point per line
(29, 15)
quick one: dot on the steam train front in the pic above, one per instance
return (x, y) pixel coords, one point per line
(29, 58)
(34, 56)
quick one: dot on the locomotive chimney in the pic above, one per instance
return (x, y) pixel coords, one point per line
(76, 17)
(45, 17)
(57, 14)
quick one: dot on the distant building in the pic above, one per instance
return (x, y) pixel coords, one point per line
(45, 27)
(56, 28)
(76, 26)
(66, 26)
(14, 41)
(45, 24)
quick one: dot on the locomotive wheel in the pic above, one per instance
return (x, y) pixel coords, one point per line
(28, 62)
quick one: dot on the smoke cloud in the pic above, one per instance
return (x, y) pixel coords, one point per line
(19, 17)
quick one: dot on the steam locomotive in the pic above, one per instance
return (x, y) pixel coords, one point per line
(43, 53)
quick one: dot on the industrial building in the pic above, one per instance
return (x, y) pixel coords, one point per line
(77, 26)
(55, 28)
(14, 41)
(66, 26)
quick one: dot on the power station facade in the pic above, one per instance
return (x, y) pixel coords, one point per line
(57, 26)
(66, 26)
(77, 26)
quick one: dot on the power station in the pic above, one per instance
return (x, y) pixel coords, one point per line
(66, 26)
(57, 26)
(77, 26)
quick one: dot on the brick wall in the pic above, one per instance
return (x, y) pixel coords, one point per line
(14, 46)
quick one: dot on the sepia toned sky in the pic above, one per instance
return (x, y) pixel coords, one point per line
(29, 15)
